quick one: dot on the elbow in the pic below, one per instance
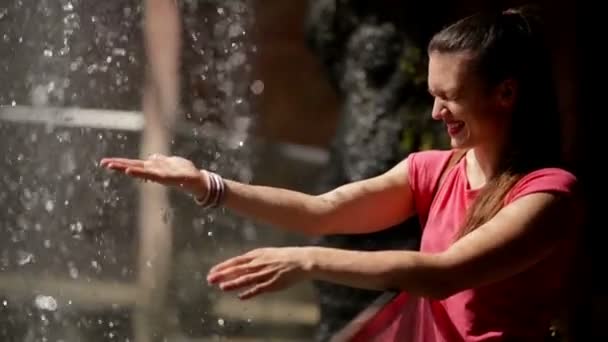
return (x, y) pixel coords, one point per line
(320, 221)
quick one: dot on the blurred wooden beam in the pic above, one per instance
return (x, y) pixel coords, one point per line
(85, 295)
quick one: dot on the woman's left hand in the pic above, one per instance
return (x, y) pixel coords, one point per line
(261, 270)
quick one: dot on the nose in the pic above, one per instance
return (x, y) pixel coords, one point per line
(439, 109)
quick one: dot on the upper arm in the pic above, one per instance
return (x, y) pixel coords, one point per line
(520, 235)
(371, 204)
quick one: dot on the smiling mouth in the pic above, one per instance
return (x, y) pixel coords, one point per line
(454, 127)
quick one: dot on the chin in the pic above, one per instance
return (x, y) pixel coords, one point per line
(460, 143)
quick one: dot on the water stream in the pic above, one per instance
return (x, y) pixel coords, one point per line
(78, 261)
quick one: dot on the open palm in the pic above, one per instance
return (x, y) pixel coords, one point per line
(170, 171)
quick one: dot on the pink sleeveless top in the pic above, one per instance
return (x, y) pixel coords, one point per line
(517, 309)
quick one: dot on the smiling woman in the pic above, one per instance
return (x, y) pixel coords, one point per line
(502, 221)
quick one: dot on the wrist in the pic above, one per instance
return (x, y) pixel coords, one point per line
(309, 260)
(200, 187)
(214, 190)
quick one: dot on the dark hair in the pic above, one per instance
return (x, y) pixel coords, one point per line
(510, 45)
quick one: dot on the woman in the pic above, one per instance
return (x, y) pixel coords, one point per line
(499, 225)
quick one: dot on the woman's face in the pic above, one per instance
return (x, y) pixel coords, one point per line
(472, 113)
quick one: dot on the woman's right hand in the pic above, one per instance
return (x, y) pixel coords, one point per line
(170, 171)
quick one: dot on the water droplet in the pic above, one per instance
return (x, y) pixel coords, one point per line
(47, 53)
(106, 183)
(49, 206)
(73, 272)
(20, 157)
(109, 59)
(221, 322)
(5, 302)
(76, 228)
(209, 233)
(220, 11)
(68, 6)
(74, 66)
(119, 52)
(257, 87)
(92, 68)
(45, 303)
(13, 103)
(24, 258)
(235, 30)
(47, 243)
(95, 265)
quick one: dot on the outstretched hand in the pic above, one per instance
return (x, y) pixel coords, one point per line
(261, 270)
(170, 171)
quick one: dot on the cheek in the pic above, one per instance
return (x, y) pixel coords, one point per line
(457, 110)
(489, 125)
(479, 121)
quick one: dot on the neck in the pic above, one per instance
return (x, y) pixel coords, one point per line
(483, 163)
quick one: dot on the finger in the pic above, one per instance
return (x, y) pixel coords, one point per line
(242, 259)
(233, 272)
(258, 289)
(146, 174)
(248, 280)
(121, 161)
(118, 166)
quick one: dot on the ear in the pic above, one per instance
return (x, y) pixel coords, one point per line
(507, 93)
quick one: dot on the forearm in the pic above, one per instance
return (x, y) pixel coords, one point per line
(282, 208)
(417, 273)
(354, 208)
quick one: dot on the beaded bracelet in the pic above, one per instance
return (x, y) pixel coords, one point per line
(215, 193)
